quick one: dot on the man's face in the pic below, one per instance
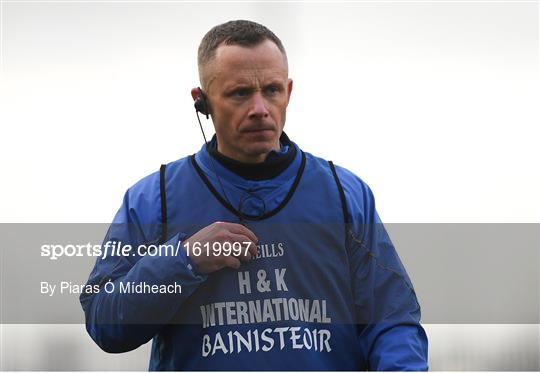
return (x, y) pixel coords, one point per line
(248, 92)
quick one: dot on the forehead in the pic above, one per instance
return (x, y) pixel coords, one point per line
(235, 63)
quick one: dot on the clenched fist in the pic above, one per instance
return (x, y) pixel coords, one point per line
(221, 245)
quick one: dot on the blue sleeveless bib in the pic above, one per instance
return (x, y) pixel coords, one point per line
(291, 307)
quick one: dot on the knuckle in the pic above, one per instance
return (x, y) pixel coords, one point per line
(220, 224)
(221, 236)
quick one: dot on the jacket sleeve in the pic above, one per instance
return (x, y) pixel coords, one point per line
(122, 321)
(387, 310)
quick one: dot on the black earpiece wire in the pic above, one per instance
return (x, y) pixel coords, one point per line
(240, 215)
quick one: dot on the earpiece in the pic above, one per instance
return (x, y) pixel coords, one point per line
(201, 104)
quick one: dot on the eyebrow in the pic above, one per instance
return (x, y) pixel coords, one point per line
(246, 85)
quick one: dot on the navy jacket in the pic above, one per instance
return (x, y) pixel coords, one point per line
(327, 290)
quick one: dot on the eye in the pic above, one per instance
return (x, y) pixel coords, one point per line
(272, 90)
(240, 93)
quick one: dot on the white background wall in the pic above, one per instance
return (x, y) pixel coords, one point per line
(434, 103)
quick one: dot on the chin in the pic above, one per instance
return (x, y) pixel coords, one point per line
(259, 149)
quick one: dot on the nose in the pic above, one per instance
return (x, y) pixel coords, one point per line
(258, 106)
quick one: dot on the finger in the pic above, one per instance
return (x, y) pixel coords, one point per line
(252, 250)
(250, 253)
(241, 251)
(240, 229)
(246, 256)
(240, 238)
(232, 262)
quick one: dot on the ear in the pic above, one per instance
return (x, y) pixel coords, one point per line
(289, 89)
(195, 93)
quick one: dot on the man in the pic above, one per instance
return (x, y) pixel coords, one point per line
(283, 261)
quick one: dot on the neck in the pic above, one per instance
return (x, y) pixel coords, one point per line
(269, 166)
(249, 159)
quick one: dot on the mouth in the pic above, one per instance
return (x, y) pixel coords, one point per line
(258, 129)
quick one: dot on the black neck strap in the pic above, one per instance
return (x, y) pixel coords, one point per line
(163, 196)
(344, 208)
(238, 213)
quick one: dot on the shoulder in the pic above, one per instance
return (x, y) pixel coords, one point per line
(144, 196)
(353, 186)
(358, 195)
(149, 183)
